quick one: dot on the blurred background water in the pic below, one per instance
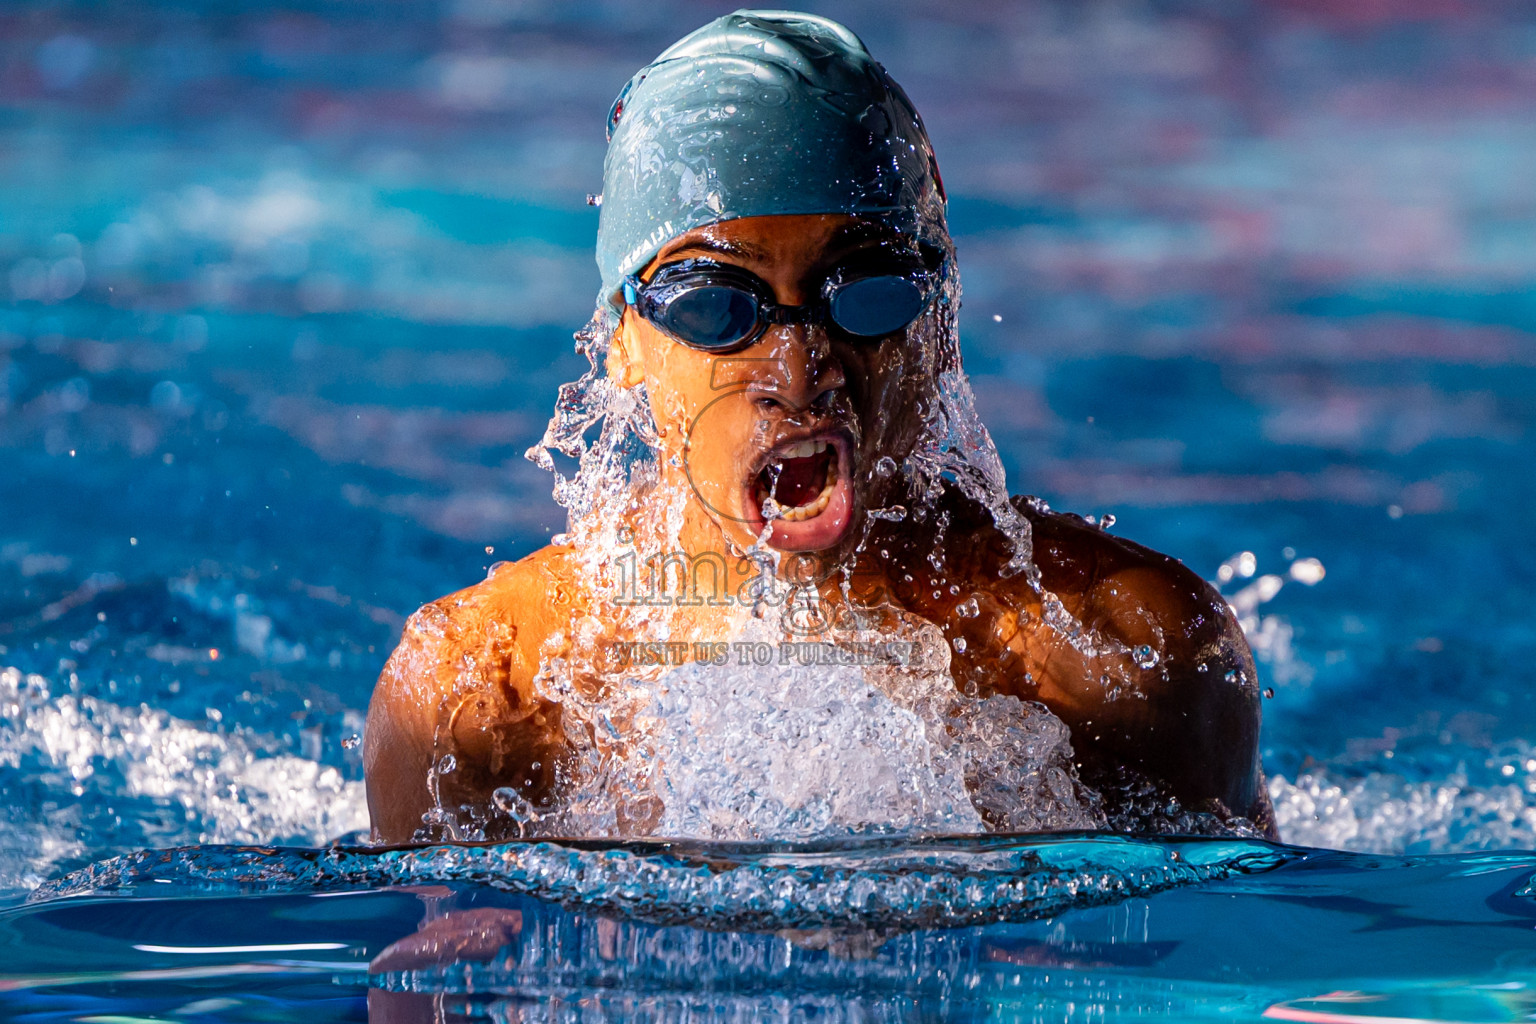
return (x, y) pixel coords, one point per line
(286, 289)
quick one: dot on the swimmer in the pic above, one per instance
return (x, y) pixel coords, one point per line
(778, 303)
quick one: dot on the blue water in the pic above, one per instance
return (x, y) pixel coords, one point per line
(286, 289)
(1077, 928)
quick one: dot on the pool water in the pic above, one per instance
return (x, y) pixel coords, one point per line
(1063, 928)
(287, 289)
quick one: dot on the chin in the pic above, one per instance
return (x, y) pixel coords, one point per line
(808, 481)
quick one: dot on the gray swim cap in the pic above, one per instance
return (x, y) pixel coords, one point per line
(757, 113)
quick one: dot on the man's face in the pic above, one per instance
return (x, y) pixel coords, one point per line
(791, 429)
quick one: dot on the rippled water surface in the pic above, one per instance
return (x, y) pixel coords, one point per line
(287, 289)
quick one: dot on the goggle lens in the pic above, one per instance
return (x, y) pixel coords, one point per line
(872, 307)
(710, 316)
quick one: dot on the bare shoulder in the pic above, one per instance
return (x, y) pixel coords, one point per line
(1175, 693)
(1131, 592)
(487, 634)
(460, 677)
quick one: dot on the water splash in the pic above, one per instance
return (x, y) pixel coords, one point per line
(1270, 636)
(809, 746)
(1485, 800)
(851, 884)
(144, 776)
(850, 734)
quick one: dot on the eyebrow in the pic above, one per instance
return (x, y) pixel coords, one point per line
(722, 247)
(861, 231)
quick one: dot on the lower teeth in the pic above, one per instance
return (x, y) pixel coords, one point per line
(811, 509)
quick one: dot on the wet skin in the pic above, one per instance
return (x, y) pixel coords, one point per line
(462, 679)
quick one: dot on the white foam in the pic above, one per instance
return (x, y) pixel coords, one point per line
(1384, 812)
(230, 786)
(796, 750)
(793, 754)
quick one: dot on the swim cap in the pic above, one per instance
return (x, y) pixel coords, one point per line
(757, 113)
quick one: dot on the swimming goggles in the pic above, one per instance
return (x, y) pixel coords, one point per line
(719, 307)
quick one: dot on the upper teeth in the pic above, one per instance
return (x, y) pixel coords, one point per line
(803, 450)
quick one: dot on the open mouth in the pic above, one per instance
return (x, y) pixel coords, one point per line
(802, 488)
(798, 482)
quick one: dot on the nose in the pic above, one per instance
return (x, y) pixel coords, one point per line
(802, 372)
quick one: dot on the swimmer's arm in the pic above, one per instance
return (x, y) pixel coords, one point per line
(398, 740)
(459, 684)
(1191, 717)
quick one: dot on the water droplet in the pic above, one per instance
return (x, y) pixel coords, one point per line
(1308, 571)
(894, 514)
(446, 764)
(1233, 676)
(594, 199)
(351, 742)
(1145, 657)
(968, 609)
(490, 549)
(959, 644)
(1269, 692)
(886, 466)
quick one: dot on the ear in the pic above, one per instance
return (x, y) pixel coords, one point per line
(624, 363)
